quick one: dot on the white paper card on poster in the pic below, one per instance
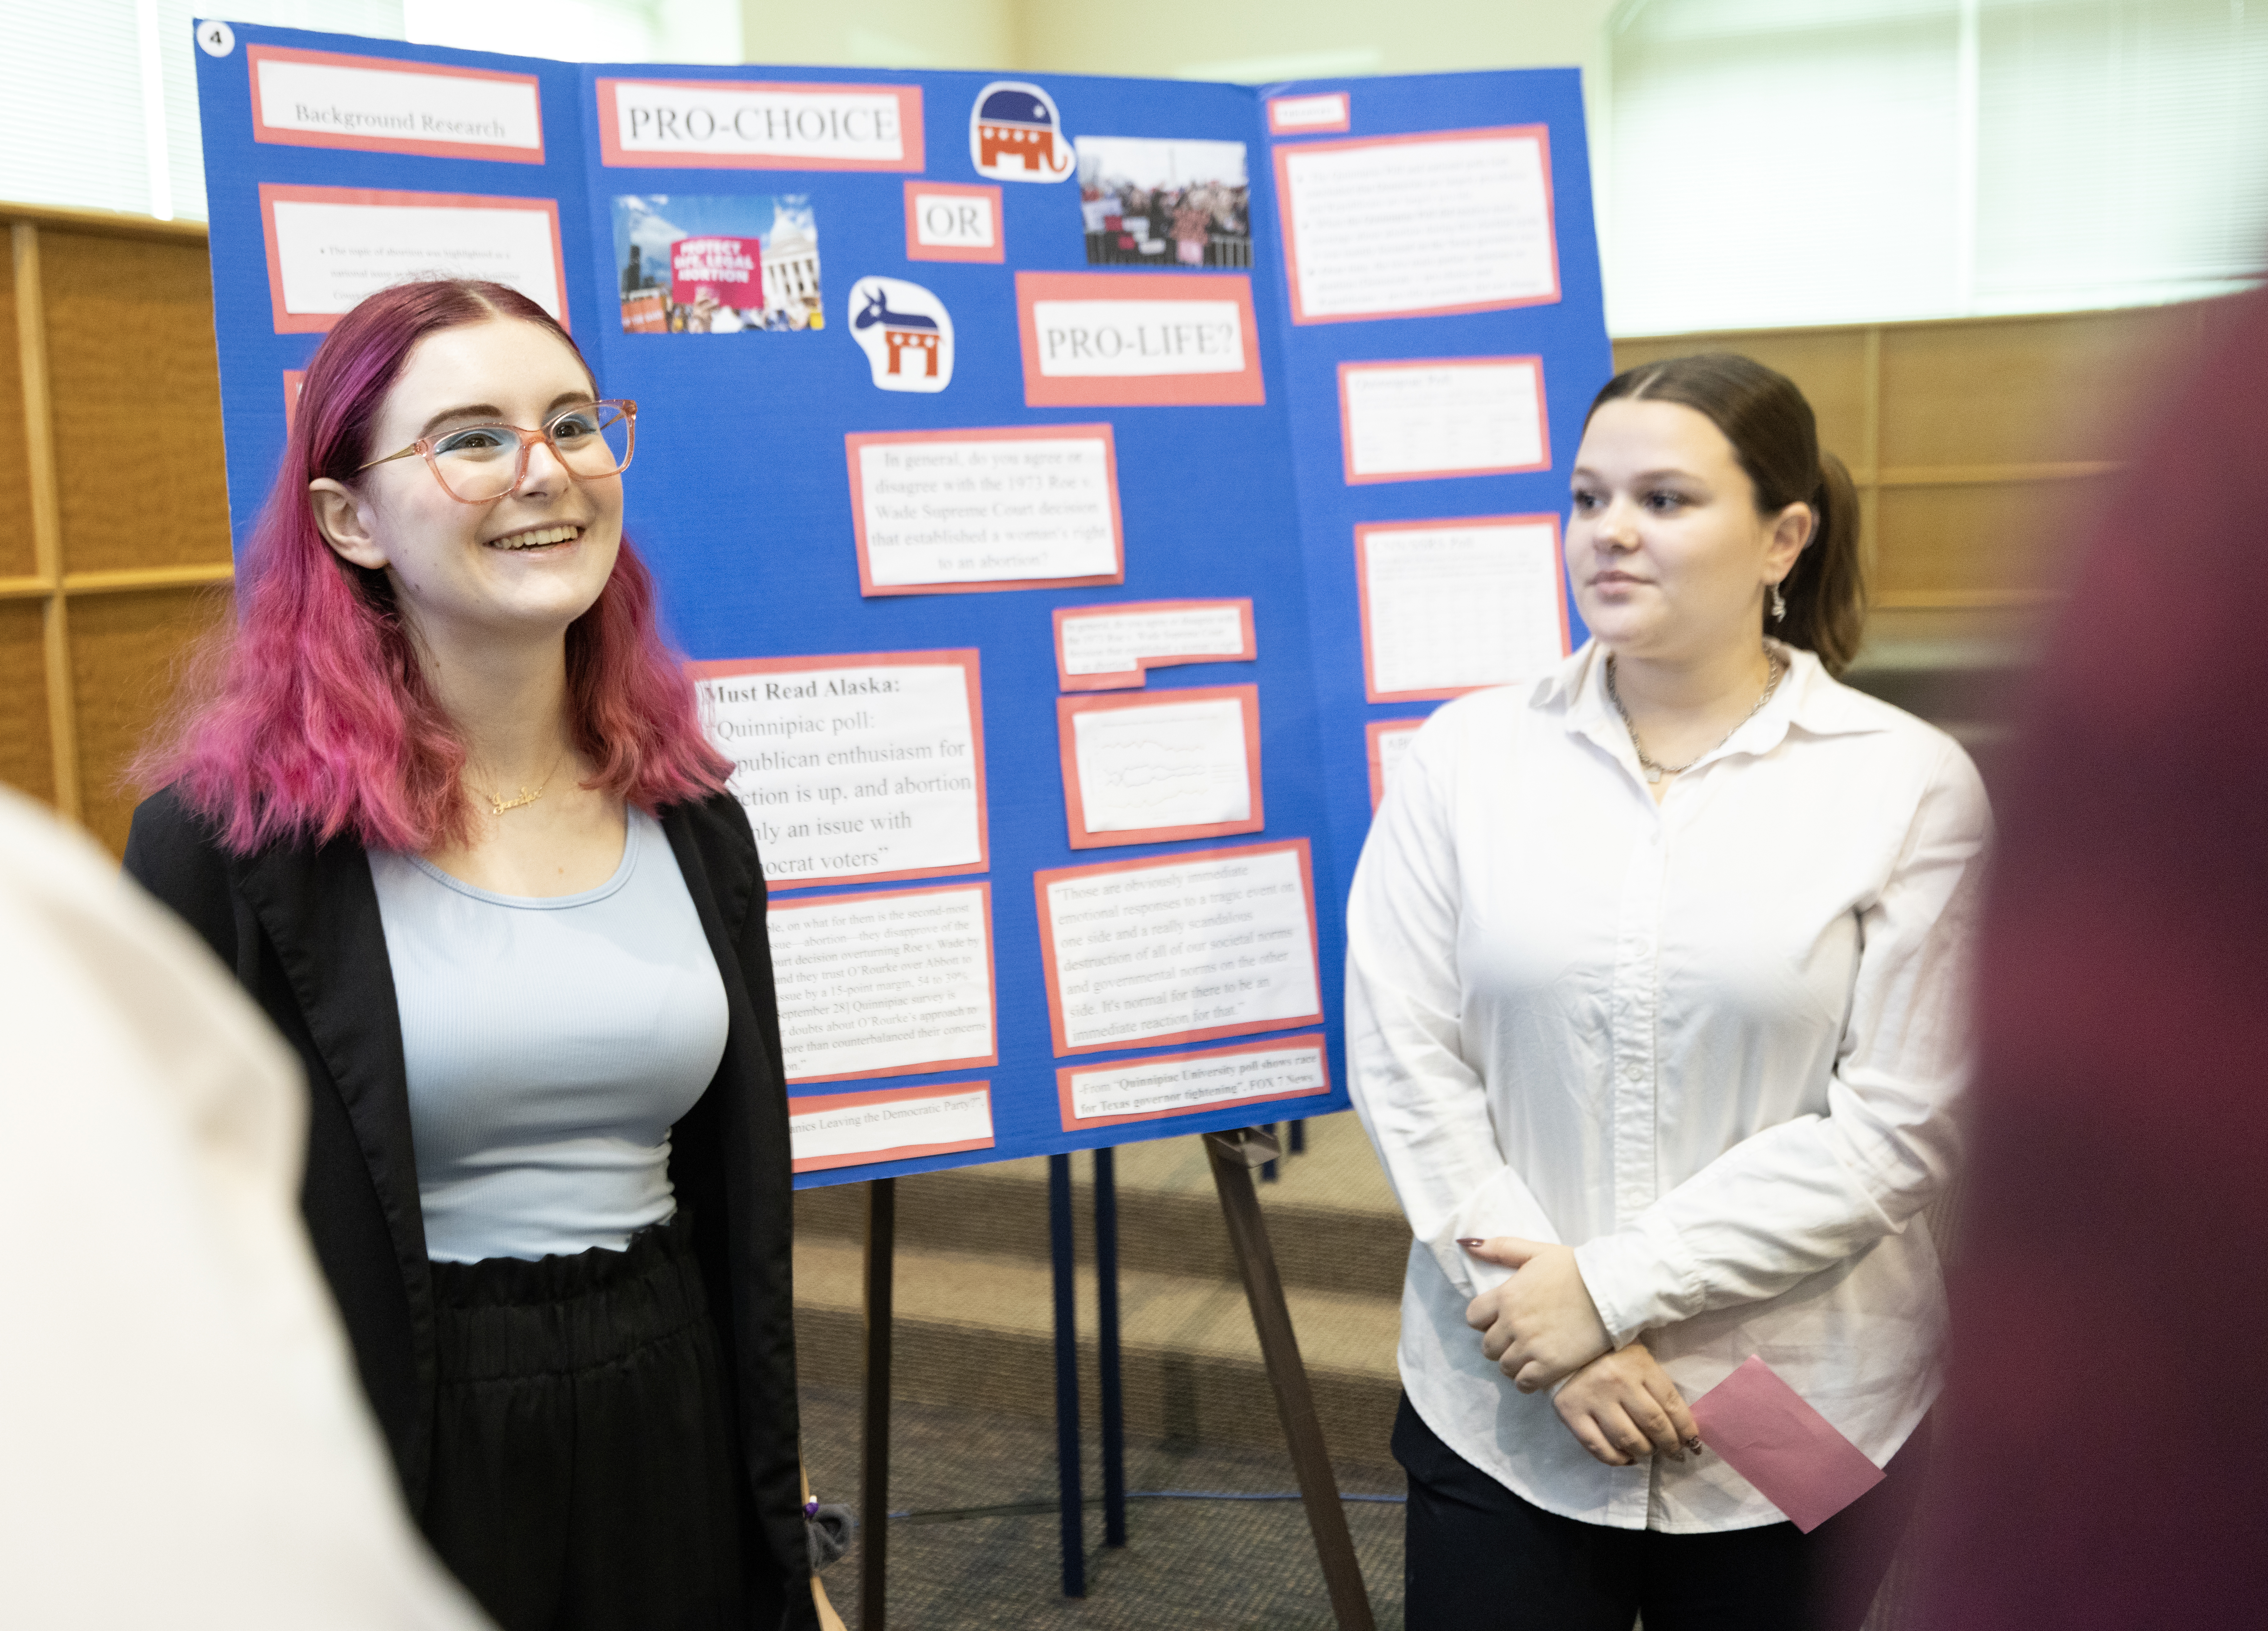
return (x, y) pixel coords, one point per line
(1326, 111)
(1116, 642)
(954, 220)
(873, 985)
(1163, 764)
(330, 255)
(1390, 228)
(1392, 747)
(328, 98)
(1454, 606)
(986, 511)
(1443, 418)
(1164, 1086)
(657, 118)
(829, 1133)
(1131, 339)
(1173, 950)
(852, 771)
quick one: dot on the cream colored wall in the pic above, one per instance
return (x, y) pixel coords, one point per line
(882, 34)
(1273, 39)
(1246, 39)
(1205, 40)
(1226, 38)
(1262, 40)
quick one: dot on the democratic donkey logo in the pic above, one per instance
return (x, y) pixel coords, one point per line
(905, 332)
(1015, 135)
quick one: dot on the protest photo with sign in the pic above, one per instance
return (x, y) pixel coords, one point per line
(693, 264)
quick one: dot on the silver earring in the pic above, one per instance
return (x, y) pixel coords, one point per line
(1779, 604)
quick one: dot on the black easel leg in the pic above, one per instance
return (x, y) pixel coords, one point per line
(1234, 1155)
(1106, 1297)
(874, 1450)
(1070, 1488)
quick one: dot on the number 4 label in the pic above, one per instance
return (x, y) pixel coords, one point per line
(216, 39)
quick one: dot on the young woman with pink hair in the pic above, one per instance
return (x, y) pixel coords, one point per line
(445, 808)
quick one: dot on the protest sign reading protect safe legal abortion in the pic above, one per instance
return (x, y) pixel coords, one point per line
(730, 270)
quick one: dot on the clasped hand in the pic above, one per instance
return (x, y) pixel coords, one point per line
(1541, 1328)
(1541, 1325)
(1622, 1405)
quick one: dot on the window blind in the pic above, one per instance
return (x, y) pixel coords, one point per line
(72, 129)
(1798, 161)
(2123, 151)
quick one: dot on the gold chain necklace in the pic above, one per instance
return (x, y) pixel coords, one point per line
(497, 806)
(1654, 769)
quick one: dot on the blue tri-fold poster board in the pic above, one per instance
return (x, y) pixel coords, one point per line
(1069, 491)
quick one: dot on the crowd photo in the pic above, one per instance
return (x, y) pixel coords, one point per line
(1164, 203)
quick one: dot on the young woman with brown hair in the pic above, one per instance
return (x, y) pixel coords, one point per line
(1654, 989)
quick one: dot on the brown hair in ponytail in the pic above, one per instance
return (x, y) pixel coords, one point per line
(1776, 439)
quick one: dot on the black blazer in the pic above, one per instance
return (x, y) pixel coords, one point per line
(299, 922)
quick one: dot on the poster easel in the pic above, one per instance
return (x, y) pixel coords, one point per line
(1232, 1156)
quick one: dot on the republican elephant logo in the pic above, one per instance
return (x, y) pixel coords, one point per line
(1015, 135)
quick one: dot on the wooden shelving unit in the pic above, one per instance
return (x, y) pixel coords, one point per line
(114, 515)
(1978, 445)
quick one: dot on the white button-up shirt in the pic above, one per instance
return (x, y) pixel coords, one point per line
(1713, 1044)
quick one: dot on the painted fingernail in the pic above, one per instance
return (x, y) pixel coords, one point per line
(1475, 1241)
(1694, 1445)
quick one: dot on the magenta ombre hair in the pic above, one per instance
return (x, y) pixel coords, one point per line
(314, 719)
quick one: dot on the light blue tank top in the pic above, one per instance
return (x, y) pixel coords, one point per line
(551, 1044)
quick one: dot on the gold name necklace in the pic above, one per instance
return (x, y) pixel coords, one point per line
(497, 806)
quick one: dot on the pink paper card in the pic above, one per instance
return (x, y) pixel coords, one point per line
(1788, 1451)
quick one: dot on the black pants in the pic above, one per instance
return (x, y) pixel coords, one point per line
(583, 1466)
(1481, 1559)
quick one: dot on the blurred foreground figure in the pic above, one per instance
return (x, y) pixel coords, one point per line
(181, 1443)
(2103, 1436)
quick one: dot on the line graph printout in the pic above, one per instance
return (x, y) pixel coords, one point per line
(864, 767)
(1112, 647)
(1450, 607)
(1413, 421)
(879, 983)
(1221, 943)
(1453, 221)
(1186, 765)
